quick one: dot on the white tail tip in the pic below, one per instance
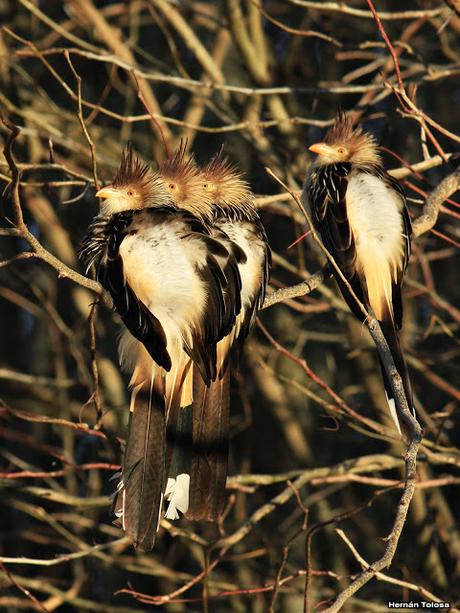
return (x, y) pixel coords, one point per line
(394, 414)
(177, 493)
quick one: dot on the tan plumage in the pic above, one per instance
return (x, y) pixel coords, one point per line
(360, 212)
(229, 192)
(348, 142)
(181, 178)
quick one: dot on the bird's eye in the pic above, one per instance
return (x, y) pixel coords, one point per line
(130, 192)
(172, 186)
(205, 185)
(341, 150)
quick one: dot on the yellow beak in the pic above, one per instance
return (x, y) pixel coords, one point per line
(107, 192)
(320, 149)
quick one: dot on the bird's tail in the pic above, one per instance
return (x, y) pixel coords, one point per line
(210, 432)
(179, 442)
(139, 497)
(392, 337)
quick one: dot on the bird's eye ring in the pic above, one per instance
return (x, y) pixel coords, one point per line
(341, 150)
(172, 186)
(130, 192)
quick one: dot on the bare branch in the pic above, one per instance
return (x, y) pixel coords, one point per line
(22, 229)
(448, 186)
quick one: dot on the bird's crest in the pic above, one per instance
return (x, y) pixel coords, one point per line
(177, 167)
(220, 168)
(132, 170)
(361, 145)
(227, 187)
(183, 180)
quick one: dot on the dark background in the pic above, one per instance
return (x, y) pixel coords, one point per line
(265, 81)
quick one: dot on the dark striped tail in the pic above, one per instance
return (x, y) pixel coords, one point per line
(140, 493)
(392, 337)
(208, 474)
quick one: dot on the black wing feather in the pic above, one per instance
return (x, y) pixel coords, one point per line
(101, 249)
(253, 308)
(223, 286)
(327, 194)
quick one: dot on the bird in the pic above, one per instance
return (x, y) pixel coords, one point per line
(233, 214)
(222, 199)
(180, 285)
(167, 276)
(360, 212)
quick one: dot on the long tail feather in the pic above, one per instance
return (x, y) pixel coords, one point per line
(208, 474)
(179, 440)
(179, 450)
(140, 494)
(394, 344)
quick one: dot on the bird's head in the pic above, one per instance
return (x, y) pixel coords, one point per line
(346, 143)
(135, 186)
(225, 185)
(181, 178)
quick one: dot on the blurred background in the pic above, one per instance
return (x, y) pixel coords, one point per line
(313, 449)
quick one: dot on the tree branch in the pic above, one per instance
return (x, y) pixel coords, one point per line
(301, 289)
(448, 186)
(24, 232)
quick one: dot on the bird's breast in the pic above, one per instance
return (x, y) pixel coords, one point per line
(161, 268)
(374, 214)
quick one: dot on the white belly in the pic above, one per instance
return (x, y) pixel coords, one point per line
(160, 268)
(374, 213)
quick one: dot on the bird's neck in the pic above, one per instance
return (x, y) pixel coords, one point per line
(235, 211)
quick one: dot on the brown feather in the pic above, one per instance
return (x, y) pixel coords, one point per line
(181, 177)
(361, 146)
(133, 172)
(230, 193)
(140, 493)
(178, 167)
(208, 473)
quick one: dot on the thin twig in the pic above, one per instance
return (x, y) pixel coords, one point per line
(63, 270)
(81, 119)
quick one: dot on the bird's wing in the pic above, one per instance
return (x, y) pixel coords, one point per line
(379, 221)
(219, 274)
(327, 188)
(101, 248)
(392, 325)
(253, 256)
(260, 252)
(247, 243)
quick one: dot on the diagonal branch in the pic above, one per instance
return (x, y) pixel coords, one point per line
(21, 229)
(300, 289)
(448, 186)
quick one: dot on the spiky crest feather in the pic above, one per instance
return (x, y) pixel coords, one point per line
(230, 192)
(134, 172)
(177, 167)
(182, 178)
(361, 146)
